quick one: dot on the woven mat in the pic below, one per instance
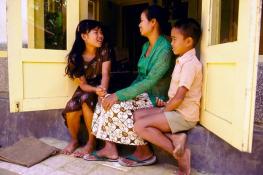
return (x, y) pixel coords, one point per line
(6, 172)
(27, 152)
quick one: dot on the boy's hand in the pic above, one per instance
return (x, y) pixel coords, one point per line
(100, 91)
(160, 102)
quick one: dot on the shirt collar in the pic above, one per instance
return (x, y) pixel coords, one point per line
(188, 56)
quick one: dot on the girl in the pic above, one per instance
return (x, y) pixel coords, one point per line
(89, 63)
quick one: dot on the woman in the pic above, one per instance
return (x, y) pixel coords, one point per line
(113, 121)
(89, 63)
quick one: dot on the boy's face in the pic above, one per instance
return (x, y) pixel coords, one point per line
(180, 44)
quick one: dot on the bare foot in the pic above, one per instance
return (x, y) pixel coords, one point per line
(184, 163)
(73, 144)
(179, 142)
(87, 149)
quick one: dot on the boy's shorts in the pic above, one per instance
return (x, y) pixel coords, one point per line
(177, 123)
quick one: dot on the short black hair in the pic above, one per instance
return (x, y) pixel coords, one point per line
(189, 28)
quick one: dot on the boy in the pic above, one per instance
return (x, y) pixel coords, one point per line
(181, 112)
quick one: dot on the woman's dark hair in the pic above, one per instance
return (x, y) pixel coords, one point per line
(75, 66)
(161, 16)
(189, 27)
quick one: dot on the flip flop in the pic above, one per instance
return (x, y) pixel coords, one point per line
(94, 157)
(137, 162)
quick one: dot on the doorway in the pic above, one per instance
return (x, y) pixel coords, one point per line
(261, 39)
(132, 40)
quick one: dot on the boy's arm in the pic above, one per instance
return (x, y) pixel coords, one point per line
(177, 99)
(187, 77)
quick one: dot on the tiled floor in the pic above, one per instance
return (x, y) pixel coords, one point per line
(69, 165)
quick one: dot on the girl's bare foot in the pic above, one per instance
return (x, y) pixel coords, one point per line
(70, 148)
(87, 149)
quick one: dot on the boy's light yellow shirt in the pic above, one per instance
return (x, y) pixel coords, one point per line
(188, 73)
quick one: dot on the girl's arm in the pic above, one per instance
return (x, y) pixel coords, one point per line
(106, 67)
(86, 87)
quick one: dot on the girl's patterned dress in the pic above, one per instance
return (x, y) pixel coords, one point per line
(92, 73)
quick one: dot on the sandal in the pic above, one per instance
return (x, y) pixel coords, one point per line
(136, 161)
(94, 157)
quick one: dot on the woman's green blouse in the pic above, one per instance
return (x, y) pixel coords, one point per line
(154, 72)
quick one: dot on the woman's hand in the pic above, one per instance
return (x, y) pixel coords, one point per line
(160, 102)
(100, 100)
(108, 101)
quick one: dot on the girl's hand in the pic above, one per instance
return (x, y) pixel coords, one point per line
(160, 102)
(100, 91)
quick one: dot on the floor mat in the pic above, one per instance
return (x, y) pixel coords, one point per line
(27, 152)
(6, 172)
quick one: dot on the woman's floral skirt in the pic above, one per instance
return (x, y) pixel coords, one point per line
(116, 125)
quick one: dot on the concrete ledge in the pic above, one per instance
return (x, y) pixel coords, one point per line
(259, 95)
(14, 126)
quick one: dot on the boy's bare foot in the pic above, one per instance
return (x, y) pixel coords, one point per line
(87, 149)
(70, 148)
(184, 163)
(179, 142)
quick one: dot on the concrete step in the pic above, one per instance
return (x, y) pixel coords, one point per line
(211, 154)
(69, 165)
(259, 96)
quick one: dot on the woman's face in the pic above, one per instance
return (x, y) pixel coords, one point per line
(94, 37)
(145, 25)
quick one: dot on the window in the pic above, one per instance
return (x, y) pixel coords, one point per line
(224, 21)
(88, 9)
(44, 24)
(3, 34)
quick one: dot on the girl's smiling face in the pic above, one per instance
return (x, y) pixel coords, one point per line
(94, 37)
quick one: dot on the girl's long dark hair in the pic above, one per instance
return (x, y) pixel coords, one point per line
(75, 68)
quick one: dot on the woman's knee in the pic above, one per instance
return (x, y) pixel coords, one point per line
(139, 127)
(137, 115)
(140, 113)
